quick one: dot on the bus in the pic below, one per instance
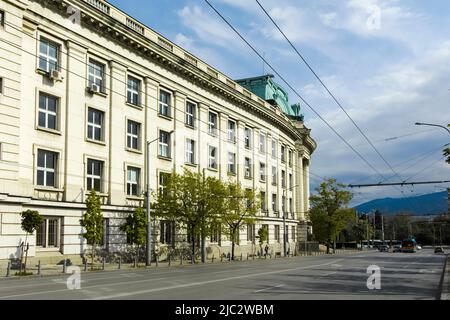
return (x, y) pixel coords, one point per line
(409, 245)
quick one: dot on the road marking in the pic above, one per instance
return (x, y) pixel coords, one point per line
(88, 287)
(121, 295)
(273, 287)
(232, 270)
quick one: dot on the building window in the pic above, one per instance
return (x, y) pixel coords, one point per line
(231, 131)
(263, 201)
(164, 103)
(290, 181)
(277, 233)
(212, 123)
(48, 112)
(46, 168)
(283, 153)
(163, 181)
(95, 124)
(266, 226)
(262, 171)
(216, 233)
(274, 148)
(2, 18)
(248, 168)
(290, 158)
(291, 208)
(251, 234)
(231, 162)
(1, 85)
(94, 175)
(133, 178)
(164, 144)
(262, 143)
(48, 55)
(212, 157)
(96, 74)
(167, 232)
(190, 151)
(283, 204)
(190, 114)
(47, 233)
(283, 178)
(274, 203)
(293, 233)
(133, 91)
(248, 137)
(133, 135)
(274, 176)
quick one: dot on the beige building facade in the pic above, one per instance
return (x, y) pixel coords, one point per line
(84, 87)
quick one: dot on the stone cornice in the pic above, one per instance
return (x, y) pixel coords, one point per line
(108, 26)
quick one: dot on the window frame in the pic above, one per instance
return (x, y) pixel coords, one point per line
(190, 154)
(231, 165)
(231, 130)
(94, 125)
(93, 63)
(93, 177)
(45, 169)
(131, 92)
(274, 176)
(47, 57)
(248, 138)
(248, 168)
(262, 142)
(213, 126)
(47, 113)
(166, 144)
(274, 148)
(274, 202)
(130, 183)
(277, 233)
(132, 136)
(262, 171)
(165, 106)
(45, 243)
(216, 166)
(190, 117)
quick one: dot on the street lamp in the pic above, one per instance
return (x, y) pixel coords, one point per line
(147, 196)
(432, 125)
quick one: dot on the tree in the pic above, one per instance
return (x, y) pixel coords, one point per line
(191, 201)
(447, 154)
(241, 206)
(263, 236)
(135, 227)
(92, 221)
(329, 213)
(359, 229)
(31, 220)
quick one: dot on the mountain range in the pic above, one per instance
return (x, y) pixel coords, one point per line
(428, 204)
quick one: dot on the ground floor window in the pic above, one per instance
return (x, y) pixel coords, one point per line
(48, 233)
(167, 232)
(277, 233)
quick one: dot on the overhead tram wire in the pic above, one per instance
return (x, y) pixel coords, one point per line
(293, 89)
(298, 94)
(329, 91)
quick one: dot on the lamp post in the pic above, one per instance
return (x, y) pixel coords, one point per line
(432, 125)
(147, 197)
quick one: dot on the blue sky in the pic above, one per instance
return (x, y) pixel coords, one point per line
(387, 61)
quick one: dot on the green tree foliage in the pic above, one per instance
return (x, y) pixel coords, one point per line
(192, 201)
(329, 213)
(447, 154)
(31, 220)
(92, 222)
(241, 206)
(135, 227)
(263, 236)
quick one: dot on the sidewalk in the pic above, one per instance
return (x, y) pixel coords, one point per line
(52, 270)
(445, 281)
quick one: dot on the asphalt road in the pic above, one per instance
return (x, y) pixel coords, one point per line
(403, 277)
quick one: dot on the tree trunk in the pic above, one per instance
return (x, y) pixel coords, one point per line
(328, 247)
(203, 248)
(233, 241)
(93, 255)
(193, 246)
(137, 256)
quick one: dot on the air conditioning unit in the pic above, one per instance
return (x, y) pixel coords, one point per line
(55, 75)
(94, 88)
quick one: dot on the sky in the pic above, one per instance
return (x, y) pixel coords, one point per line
(386, 61)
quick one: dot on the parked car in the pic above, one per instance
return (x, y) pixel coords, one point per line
(397, 249)
(383, 248)
(438, 250)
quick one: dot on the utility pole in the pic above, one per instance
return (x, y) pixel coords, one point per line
(382, 227)
(374, 229)
(367, 229)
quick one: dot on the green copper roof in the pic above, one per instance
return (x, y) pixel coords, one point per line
(267, 89)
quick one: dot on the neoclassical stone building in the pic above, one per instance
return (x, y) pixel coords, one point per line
(84, 87)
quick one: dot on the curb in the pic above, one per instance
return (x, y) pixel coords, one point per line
(444, 283)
